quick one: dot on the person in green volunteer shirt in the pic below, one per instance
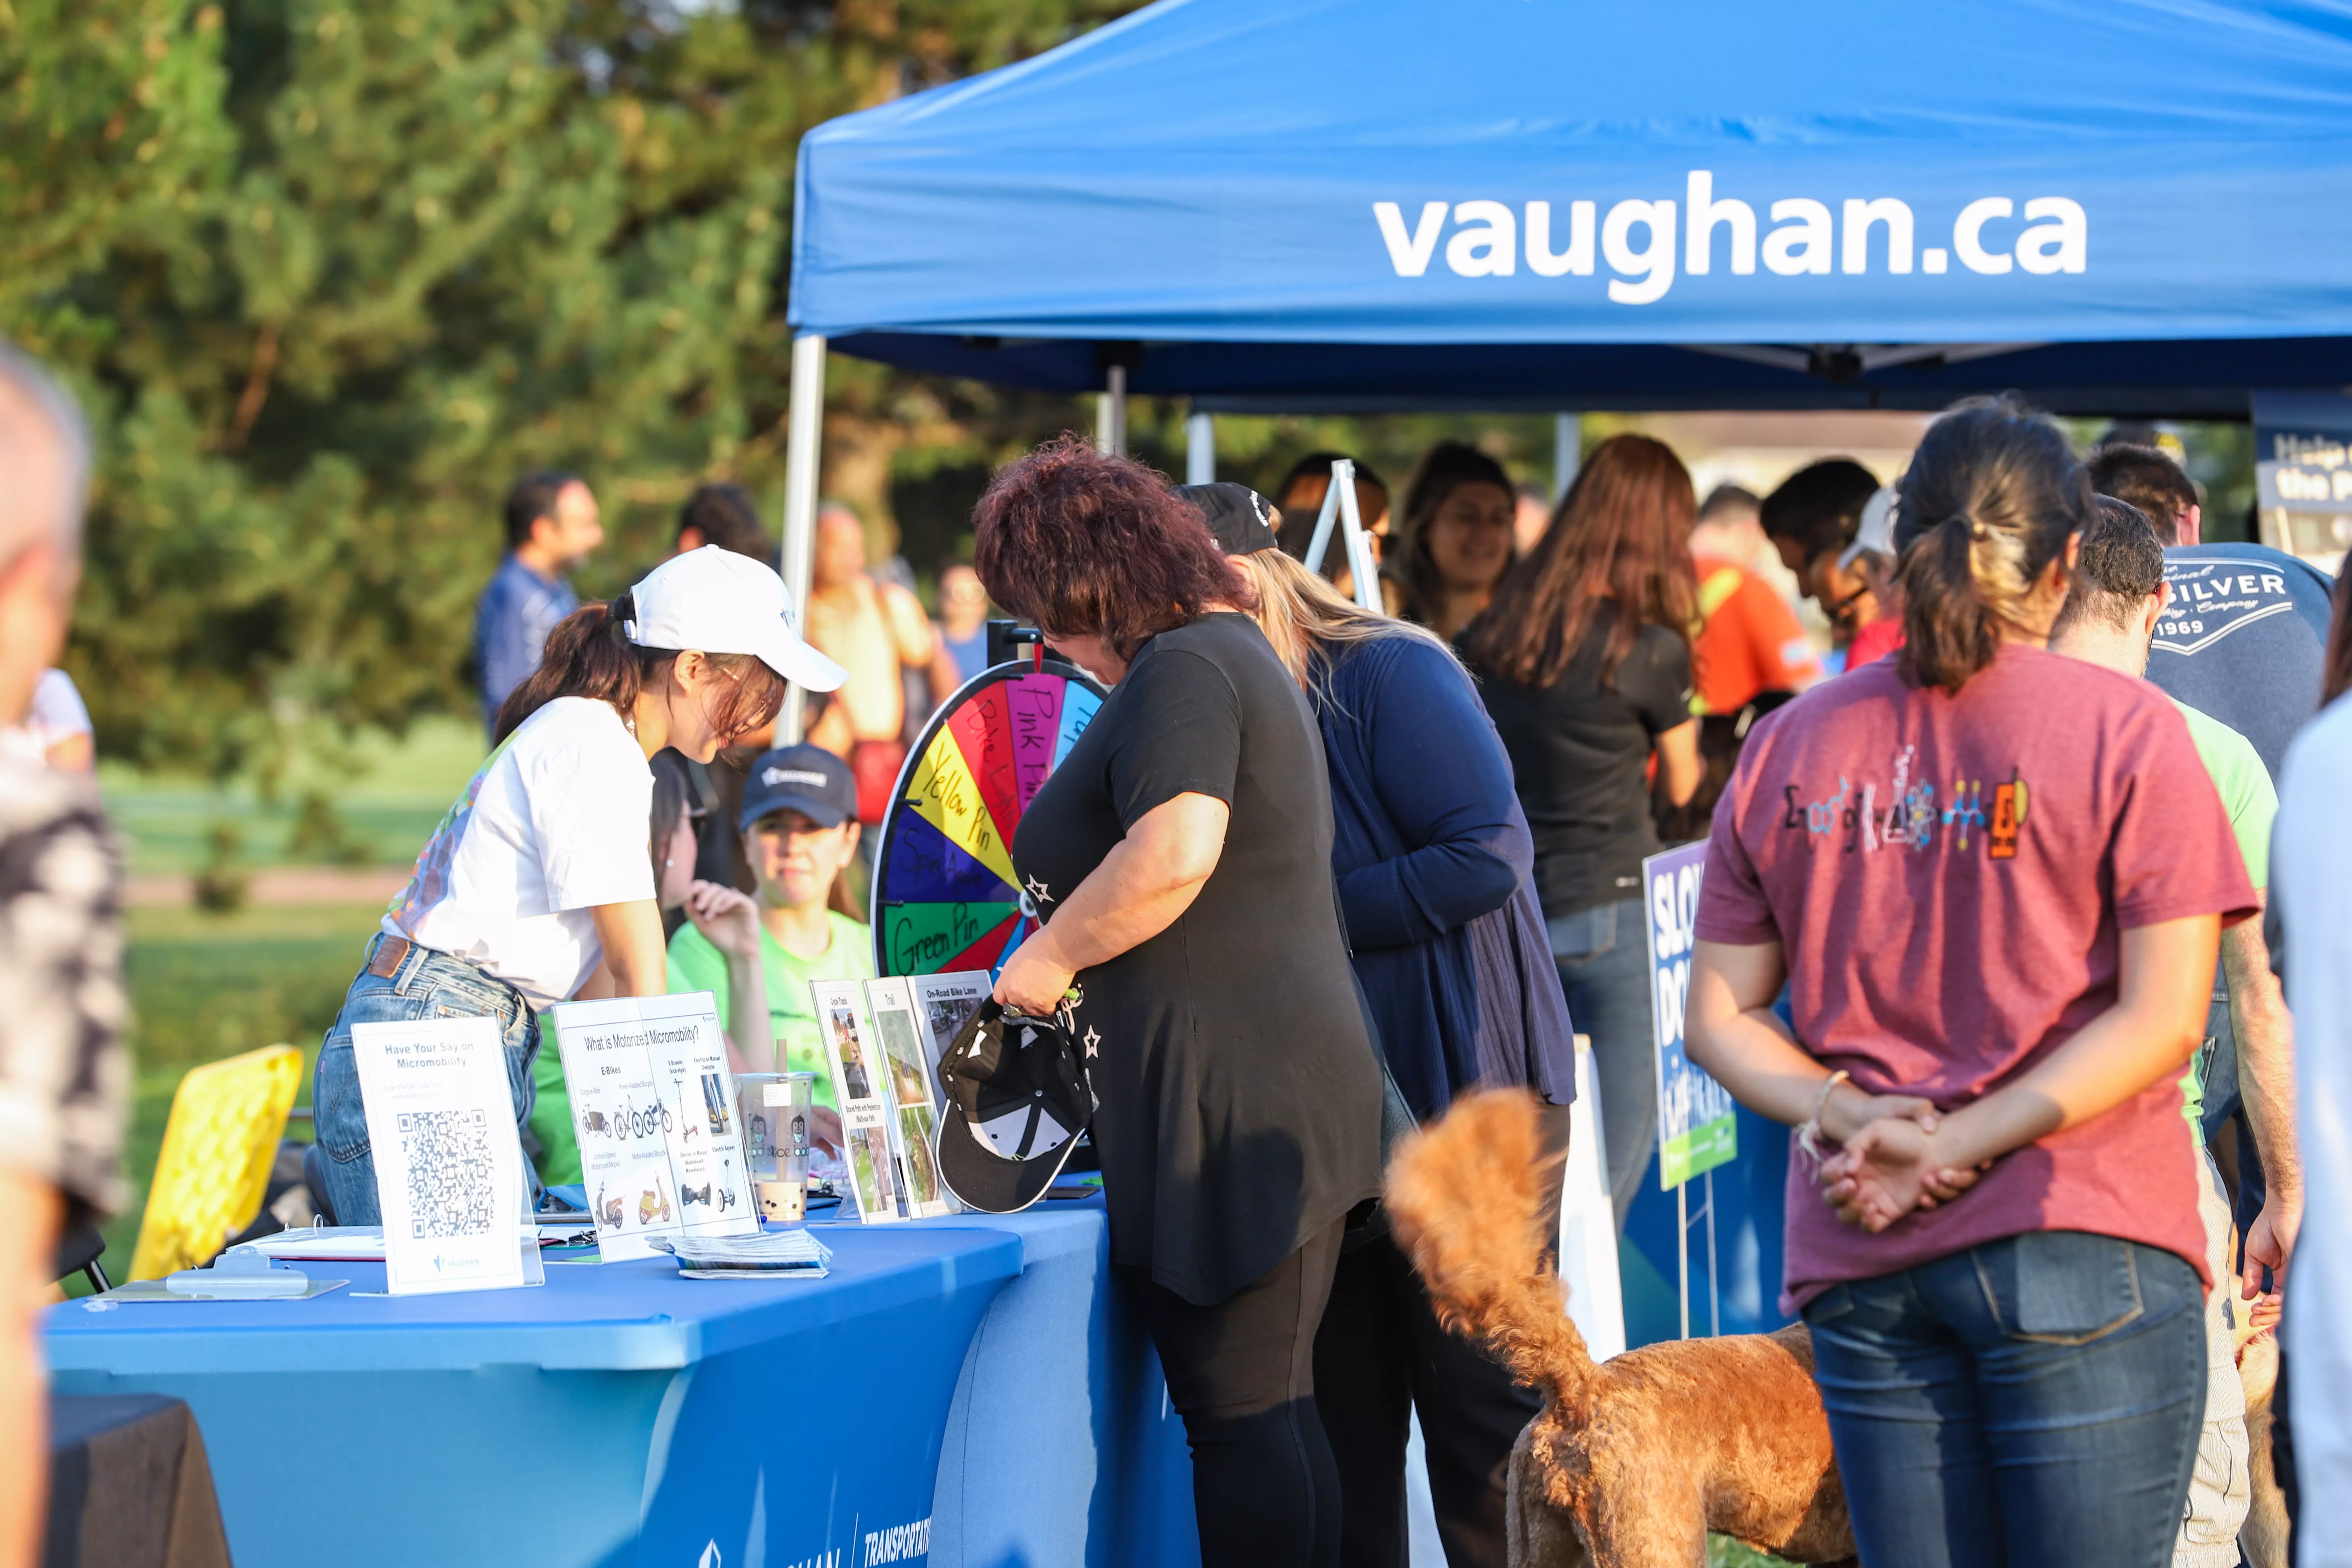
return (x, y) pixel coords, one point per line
(800, 829)
(2114, 603)
(728, 921)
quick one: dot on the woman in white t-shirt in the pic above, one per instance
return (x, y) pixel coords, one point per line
(56, 730)
(535, 888)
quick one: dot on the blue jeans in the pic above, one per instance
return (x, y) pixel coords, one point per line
(427, 984)
(1603, 957)
(2034, 1400)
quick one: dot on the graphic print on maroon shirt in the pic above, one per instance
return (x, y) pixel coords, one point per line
(1948, 878)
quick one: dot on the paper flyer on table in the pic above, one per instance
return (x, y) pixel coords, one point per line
(448, 1163)
(861, 1092)
(914, 1116)
(652, 1104)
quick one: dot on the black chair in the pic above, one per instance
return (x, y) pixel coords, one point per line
(79, 1247)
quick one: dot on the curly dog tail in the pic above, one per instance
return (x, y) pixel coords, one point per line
(1465, 1198)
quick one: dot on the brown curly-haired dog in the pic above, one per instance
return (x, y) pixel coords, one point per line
(1633, 1460)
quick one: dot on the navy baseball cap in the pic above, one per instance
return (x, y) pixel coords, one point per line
(1241, 518)
(806, 779)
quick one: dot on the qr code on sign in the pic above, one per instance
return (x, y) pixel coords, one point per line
(448, 1156)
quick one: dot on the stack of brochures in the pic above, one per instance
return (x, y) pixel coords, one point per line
(775, 1254)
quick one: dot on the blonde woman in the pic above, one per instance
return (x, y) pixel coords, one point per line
(1434, 864)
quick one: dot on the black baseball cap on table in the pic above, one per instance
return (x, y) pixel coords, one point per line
(806, 779)
(1018, 1098)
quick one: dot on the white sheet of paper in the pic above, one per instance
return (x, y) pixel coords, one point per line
(943, 1004)
(914, 1112)
(653, 1105)
(448, 1163)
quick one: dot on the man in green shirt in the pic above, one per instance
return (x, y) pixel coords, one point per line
(2113, 602)
(800, 829)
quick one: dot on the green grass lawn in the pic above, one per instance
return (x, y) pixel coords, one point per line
(208, 986)
(386, 806)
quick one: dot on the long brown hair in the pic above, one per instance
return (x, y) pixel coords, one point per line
(1989, 502)
(1616, 554)
(1087, 544)
(2338, 677)
(589, 655)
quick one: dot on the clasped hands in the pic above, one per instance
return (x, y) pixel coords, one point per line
(1895, 1152)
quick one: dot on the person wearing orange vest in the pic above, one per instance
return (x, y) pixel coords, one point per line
(1748, 641)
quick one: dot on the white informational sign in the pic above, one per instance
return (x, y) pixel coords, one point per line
(944, 1003)
(1588, 1220)
(915, 1098)
(1696, 1131)
(861, 1092)
(448, 1163)
(653, 1106)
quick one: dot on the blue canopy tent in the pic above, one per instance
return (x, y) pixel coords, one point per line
(2131, 206)
(2118, 207)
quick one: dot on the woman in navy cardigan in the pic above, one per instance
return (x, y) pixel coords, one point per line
(1434, 867)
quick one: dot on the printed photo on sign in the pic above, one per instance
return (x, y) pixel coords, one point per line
(873, 1172)
(448, 1162)
(925, 1194)
(862, 1092)
(852, 1075)
(1696, 1131)
(945, 1003)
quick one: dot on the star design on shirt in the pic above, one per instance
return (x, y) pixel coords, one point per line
(1092, 1041)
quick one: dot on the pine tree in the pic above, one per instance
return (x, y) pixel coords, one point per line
(329, 273)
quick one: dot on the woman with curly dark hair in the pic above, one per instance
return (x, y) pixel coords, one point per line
(1179, 859)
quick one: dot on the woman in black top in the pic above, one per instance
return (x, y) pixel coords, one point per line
(1180, 859)
(1585, 658)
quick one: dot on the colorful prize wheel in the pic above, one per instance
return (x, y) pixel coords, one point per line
(945, 895)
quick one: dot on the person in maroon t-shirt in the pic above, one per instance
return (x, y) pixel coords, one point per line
(1994, 878)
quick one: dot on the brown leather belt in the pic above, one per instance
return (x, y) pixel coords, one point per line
(391, 952)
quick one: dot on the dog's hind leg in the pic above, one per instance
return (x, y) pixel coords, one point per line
(1646, 1525)
(1536, 1533)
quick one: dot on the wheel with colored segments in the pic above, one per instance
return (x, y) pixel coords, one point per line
(945, 894)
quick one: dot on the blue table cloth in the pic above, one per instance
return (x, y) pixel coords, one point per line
(967, 1387)
(1061, 1447)
(618, 1415)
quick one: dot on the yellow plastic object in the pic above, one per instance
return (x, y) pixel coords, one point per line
(218, 1148)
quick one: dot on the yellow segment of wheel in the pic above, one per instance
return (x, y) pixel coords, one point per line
(944, 795)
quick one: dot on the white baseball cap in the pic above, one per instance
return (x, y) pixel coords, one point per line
(1876, 532)
(719, 602)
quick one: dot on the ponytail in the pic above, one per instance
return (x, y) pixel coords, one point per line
(588, 654)
(1989, 502)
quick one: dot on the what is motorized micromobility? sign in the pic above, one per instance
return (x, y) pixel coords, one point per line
(1695, 1129)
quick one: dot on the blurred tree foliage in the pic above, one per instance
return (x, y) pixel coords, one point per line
(329, 273)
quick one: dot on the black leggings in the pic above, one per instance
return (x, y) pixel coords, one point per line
(1242, 1373)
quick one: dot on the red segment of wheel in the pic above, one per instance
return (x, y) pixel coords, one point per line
(983, 954)
(983, 727)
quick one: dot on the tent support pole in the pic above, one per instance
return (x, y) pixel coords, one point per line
(1110, 413)
(1201, 449)
(803, 450)
(1567, 452)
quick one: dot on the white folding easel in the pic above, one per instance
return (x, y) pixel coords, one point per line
(1339, 505)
